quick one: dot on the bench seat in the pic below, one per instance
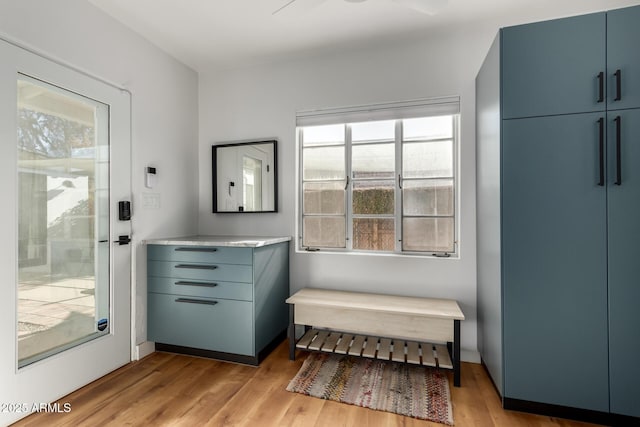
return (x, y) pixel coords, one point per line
(389, 327)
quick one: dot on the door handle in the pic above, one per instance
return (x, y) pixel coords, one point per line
(618, 75)
(600, 86)
(196, 301)
(618, 122)
(195, 249)
(123, 240)
(197, 266)
(204, 284)
(601, 150)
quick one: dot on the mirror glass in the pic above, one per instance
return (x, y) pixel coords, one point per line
(245, 177)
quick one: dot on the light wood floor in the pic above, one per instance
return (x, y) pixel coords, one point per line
(174, 390)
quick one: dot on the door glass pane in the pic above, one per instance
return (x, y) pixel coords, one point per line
(251, 183)
(63, 237)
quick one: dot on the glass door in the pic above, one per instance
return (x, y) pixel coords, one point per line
(65, 279)
(63, 219)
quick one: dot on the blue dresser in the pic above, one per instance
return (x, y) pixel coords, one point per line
(558, 193)
(220, 297)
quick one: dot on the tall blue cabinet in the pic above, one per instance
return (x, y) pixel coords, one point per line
(558, 190)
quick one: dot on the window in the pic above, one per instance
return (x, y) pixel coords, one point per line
(383, 185)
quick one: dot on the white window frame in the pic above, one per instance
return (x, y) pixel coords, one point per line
(378, 112)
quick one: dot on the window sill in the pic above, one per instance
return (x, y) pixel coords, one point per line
(426, 255)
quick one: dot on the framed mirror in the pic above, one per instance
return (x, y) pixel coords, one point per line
(245, 177)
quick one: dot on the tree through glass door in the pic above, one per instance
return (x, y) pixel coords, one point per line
(63, 220)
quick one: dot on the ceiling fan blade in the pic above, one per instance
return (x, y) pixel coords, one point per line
(298, 5)
(429, 7)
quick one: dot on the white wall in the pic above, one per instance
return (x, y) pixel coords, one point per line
(164, 109)
(258, 101)
(261, 101)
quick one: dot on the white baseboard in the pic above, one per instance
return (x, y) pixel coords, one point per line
(472, 356)
(144, 349)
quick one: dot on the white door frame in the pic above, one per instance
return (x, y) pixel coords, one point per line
(58, 375)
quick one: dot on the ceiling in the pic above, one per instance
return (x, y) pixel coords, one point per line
(223, 33)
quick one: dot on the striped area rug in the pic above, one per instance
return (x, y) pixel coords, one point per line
(414, 391)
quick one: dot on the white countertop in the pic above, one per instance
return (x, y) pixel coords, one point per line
(235, 241)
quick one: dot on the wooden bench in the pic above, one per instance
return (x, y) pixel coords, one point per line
(385, 327)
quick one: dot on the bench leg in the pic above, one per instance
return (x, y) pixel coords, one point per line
(292, 335)
(456, 353)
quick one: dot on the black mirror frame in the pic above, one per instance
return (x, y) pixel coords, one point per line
(214, 179)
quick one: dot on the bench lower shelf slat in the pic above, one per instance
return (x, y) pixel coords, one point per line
(413, 352)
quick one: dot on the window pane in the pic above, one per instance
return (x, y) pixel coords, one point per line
(427, 234)
(440, 127)
(323, 163)
(373, 131)
(373, 197)
(428, 197)
(373, 161)
(374, 234)
(427, 159)
(316, 135)
(324, 231)
(323, 198)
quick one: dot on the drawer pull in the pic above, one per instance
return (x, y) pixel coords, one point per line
(197, 266)
(204, 284)
(196, 301)
(196, 249)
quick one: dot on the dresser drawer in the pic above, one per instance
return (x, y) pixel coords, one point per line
(201, 288)
(204, 254)
(206, 323)
(197, 271)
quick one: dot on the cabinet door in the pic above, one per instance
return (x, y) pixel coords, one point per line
(204, 254)
(554, 262)
(552, 67)
(201, 271)
(206, 323)
(623, 37)
(624, 266)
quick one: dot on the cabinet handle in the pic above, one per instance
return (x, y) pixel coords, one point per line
(601, 150)
(197, 266)
(618, 75)
(203, 284)
(618, 121)
(196, 301)
(601, 86)
(196, 249)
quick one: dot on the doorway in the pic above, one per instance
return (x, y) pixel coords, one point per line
(66, 277)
